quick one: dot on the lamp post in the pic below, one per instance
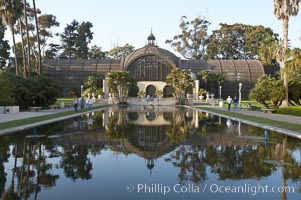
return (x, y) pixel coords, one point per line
(81, 90)
(240, 85)
(220, 92)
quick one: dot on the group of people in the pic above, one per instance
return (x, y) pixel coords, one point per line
(235, 102)
(82, 103)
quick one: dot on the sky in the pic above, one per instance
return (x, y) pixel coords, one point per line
(117, 22)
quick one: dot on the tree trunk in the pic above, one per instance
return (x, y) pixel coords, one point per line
(16, 59)
(27, 39)
(39, 67)
(23, 50)
(285, 102)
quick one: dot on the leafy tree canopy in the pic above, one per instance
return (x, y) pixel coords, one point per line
(238, 41)
(191, 42)
(119, 83)
(4, 48)
(180, 80)
(75, 40)
(267, 89)
(121, 51)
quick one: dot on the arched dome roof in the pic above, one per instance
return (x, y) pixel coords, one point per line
(151, 49)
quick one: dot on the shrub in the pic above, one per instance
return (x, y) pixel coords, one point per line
(296, 111)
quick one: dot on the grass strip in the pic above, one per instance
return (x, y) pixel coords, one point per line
(30, 120)
(260, 120)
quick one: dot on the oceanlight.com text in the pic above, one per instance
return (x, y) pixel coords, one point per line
(161, 189)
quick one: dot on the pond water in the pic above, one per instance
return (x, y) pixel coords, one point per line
(149, 153)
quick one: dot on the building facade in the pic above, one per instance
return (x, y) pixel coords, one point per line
(150, 65)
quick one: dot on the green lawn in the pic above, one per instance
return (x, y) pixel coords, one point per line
(15, 123)
(285, 125)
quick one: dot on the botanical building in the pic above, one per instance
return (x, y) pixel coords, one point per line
(150, 66)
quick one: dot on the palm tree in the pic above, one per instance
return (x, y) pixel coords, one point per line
(11, 10)
(283, 10)
(204, 74)
(267, 50)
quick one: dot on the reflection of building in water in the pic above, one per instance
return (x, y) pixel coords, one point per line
(153, 115)
(150, 143)
(149, 138)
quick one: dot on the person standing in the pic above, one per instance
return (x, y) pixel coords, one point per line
(75, 103)
(229, 101)
(235, 102)
(90, 102)
(82, 103)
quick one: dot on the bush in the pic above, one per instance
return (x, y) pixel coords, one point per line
(295, 111)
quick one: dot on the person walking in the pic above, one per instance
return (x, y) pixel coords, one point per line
(235, 102)
(90, 102)
(75, 103)
(229, 101)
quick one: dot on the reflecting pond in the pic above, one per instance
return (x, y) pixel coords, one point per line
(149, 153)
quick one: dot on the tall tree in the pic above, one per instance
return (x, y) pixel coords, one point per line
(4, 48)
(283, 10)
(95, 52)
(52, 52)
(68, 39)
(293, 70)
(39, 68)
(237, 41)
(22, 48)
(27, 39)
(121, 51)
(11, 10)
(267, 50)
(75, 40)
(46, 22)
(191, 42)
(85, 35)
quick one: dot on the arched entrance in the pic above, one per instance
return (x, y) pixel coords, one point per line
(133, 91)
(150, 90)
(168, 91)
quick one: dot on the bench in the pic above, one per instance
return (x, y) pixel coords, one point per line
(34, 109)
(53, 107)
(267, 110)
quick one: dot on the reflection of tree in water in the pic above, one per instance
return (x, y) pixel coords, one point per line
(181, 125)
(32, 173)
(192, 157)
(191, 161)
(119, 125)
(76, 163)
(3, 158)
(237, 162)
(233, 162)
